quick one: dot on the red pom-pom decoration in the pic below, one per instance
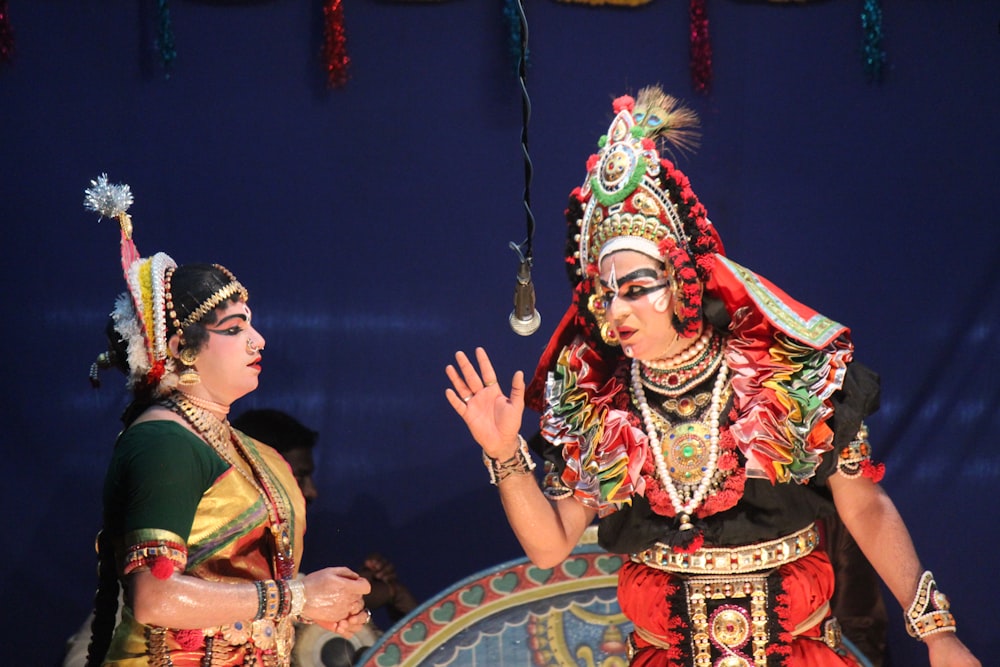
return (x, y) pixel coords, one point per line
(190, 640)
(162, 568)
(873, 471)
(623, 103)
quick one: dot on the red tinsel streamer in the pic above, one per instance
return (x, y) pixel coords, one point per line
(701, 47)
(6, 34)
(335, 56)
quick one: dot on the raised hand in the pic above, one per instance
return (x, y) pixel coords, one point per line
(493, 419)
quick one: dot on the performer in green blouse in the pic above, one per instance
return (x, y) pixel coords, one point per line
(706, 418)
(203, 525)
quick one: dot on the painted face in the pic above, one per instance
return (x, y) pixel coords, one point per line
(229, 361)
(638, 304)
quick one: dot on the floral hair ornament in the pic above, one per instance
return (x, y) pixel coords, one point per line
(139, 315)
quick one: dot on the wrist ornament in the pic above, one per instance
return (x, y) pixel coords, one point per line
(519, 463)
(930, 611)
(268, 599)
(297, 590)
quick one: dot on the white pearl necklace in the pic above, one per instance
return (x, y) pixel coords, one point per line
(683, 510)
(684, 356)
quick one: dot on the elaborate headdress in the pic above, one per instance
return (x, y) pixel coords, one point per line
(634, 198)
(145, 316)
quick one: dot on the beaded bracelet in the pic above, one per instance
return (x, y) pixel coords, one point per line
(297, 590)
(284, 598)
(519, 463)
(261, 600)
(272, 606)
(930, 611)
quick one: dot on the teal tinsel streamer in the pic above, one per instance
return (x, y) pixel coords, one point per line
(871, 26)
(512, 14)
(165, 40)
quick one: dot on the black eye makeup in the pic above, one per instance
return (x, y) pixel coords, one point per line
(637, 284)
(632, 292)
(233, 329)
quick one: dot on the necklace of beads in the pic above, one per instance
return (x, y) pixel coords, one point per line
(219, 435)
(205, 404)
(678, 375)
(682, 509)
(684, 355)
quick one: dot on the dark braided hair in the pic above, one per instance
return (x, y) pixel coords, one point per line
(105, 602)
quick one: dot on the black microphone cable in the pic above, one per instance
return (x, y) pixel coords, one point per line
(524, 319)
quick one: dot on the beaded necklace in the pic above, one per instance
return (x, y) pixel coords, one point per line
(220, 435)
(682, 508)
(205, 404)
(678, 375)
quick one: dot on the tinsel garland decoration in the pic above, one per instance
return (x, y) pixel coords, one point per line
(871, 26)
(6, 34)
(335, 58)
(165, 35)
(701, 47)
(512, 14)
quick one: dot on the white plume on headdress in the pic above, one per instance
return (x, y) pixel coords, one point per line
(127, 326)
(107, 199)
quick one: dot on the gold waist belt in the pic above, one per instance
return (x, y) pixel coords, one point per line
(735, 560)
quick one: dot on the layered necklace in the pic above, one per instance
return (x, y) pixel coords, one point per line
(679, 374)
(688, 458)
(224, 441)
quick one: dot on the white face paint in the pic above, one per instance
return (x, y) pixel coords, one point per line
(638, 302)
(660, 300)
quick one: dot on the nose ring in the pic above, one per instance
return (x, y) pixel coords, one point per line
(252, 347)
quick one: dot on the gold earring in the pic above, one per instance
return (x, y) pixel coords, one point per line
(609, 335)
(189, 376)
(596, 308)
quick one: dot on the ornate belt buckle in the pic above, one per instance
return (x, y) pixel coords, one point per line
(832, 635)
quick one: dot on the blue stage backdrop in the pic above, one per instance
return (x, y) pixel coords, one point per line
(371, 224)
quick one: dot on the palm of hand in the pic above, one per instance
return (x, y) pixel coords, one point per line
(493, 419)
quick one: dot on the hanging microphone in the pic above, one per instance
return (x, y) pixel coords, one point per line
(524, 319)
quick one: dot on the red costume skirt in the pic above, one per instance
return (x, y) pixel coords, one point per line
(759, 619)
